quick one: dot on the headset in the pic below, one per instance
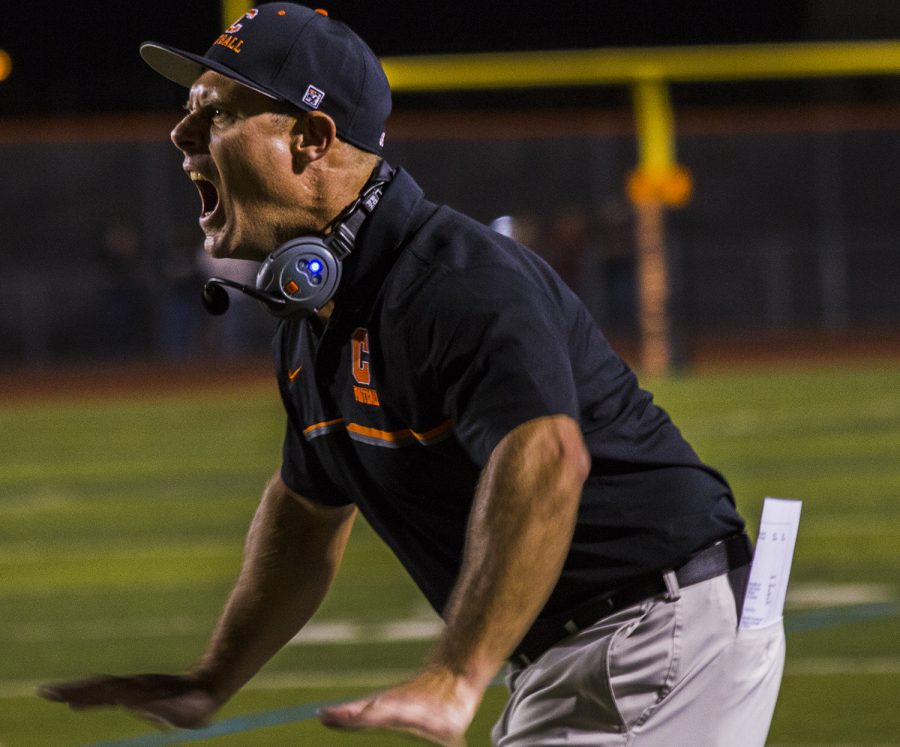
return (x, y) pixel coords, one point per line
(303, 274)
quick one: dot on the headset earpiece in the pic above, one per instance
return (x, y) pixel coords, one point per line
(303, 274)
(304, 271)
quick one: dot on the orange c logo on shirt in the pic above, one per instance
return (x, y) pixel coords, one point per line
(360, 346)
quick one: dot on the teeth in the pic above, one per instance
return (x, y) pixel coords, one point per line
(196, 176)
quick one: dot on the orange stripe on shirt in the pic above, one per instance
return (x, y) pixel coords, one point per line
(326, 424)
(387, 436)
(374, 435)
(405, 434)
(435, 433)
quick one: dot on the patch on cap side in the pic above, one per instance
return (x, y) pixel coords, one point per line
(313, 97)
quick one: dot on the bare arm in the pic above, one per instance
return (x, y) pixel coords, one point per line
(291, 554)
(518, 537)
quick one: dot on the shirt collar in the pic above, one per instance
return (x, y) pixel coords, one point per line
(396, 217)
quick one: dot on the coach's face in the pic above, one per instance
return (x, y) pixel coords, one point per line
(237, 151)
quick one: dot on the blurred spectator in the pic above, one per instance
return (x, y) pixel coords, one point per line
(596, 259)
(182, 318)
(123, 299)
(618, 266)
(571, 248)
(522, 228)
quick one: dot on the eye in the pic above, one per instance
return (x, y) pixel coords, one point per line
(218, 115)
(213, 114)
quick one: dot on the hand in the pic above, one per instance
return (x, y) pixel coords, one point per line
(434, 706)
(164, 700)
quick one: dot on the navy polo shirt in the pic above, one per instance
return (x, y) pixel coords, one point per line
(445, 336)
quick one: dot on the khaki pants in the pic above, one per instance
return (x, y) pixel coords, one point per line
(658, 674)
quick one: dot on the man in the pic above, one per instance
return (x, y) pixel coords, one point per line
(459, 395)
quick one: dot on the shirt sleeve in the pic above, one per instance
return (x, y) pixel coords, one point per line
(498, 352)
(301, 469)
(301, 472)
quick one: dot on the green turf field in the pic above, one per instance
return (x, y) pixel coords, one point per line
(121, 524)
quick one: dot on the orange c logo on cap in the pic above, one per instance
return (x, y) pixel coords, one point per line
(322, 12)
(236, 26)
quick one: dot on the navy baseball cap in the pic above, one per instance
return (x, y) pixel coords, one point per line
(295, 54)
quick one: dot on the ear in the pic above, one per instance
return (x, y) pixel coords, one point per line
(313, 136)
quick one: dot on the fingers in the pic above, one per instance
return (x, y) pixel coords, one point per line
(92, 691)
(345, 715)
(164, 700)
(111, 690)
(382, 712)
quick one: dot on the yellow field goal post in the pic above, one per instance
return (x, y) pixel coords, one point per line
(657, 182)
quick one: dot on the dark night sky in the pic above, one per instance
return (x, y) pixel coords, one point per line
(83, 57)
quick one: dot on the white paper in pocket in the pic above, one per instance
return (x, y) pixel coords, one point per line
(767, 587)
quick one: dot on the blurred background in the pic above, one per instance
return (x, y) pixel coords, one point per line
(719, 182)
(789, 235)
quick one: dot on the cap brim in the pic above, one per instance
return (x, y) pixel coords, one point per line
(184, 67)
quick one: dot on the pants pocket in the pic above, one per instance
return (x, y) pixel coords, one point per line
(758, 652)
(641, 662)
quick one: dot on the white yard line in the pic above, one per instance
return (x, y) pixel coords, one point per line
(837, 595)
(418, 628)
(335, 631)
(351, 632)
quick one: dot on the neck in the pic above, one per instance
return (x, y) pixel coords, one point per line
(335, 184)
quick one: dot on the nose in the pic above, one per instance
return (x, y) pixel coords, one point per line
(187, 134)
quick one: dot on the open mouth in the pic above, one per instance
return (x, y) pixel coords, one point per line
(209, 195)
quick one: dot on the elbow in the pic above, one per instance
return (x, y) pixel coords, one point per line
(574, 457)
(558, 445)
(566, 464)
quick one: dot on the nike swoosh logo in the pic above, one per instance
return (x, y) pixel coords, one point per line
(295, 373)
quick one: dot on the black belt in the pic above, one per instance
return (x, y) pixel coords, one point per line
(726, 555)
